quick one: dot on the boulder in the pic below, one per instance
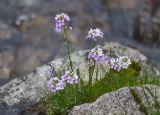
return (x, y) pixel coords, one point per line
(120, 102)
(8, 43)
(147, 26)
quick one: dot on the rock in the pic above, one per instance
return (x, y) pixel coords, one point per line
(121, 17)
(28, 26)
(30, 89)
(146, 30)
(133, 19)
(27, 3)
(6, 63)
(119, 102)
(116, 4)
(16, 48)
(121, 23)
(29, 58)
(8, 39)
(40, 47)
(118, 49)
(6, 32)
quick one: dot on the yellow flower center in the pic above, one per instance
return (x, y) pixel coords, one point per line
(124, 59)
(54, 83)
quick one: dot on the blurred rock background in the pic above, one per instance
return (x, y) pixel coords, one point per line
(28, 38)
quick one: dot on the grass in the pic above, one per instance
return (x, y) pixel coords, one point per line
(138, 99)
(62, 102)
(147, 108)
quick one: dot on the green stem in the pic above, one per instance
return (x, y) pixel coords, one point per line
(110, 45)
(91, 72)
(75, 97)
(95, 43)
(68, 46)
(102, 67)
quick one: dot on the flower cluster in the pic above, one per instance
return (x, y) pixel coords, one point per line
(70, 77)
(60, 20)
(125, 62)
(119, 63)
(96, 54)
(115, 64)
(94, 34)
(55, 84)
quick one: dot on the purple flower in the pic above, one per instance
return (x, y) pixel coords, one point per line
(54, 84)
(60, 85)
(96, 54)
(94, 34)
(124, 61)
(70, 77)
(60, 20)
(53, 65)
(115, 64)
(50, 69)
(49, 72)
(119, 63)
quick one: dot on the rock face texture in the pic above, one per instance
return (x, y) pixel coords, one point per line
(27, 29)
(120, 102)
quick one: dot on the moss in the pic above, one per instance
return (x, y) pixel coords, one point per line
(135, 68)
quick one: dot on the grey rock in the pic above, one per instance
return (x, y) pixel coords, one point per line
(27, 3)
(6, 62)
(121, 23)
(147, 28)
(31, 88)
(28, 25)
(119, 102)
(118, 49)
(7, 49)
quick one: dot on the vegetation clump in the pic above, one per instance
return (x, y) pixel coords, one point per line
(68, 88)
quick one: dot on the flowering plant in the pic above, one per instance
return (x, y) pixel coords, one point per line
(95, 55)
(61, 20)
(70, 81)
(94, 34)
